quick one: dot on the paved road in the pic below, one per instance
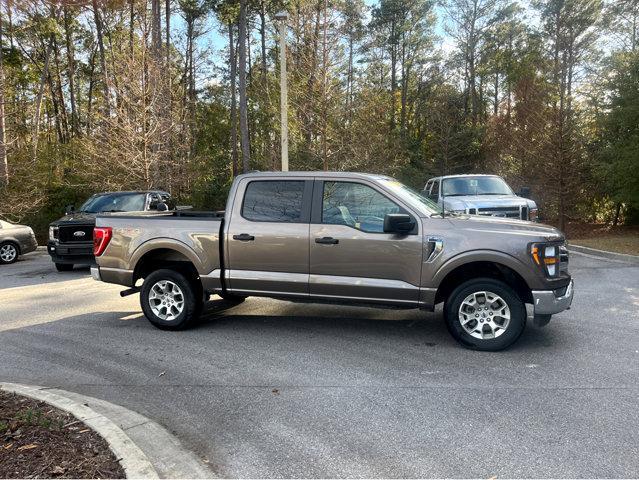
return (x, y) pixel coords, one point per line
(273, 389)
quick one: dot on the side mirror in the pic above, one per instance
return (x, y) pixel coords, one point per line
(69, 209)
(524, 192)
(398, 223)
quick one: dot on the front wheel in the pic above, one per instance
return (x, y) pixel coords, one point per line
(8, 253)
(485, 314)
(169, 300)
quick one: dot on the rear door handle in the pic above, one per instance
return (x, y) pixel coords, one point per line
(244, 237)
(327, 240)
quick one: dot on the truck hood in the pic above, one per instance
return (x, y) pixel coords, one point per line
(76, 217)
(506, 226)
(486, 201)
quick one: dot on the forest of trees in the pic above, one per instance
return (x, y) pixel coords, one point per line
(130, 94)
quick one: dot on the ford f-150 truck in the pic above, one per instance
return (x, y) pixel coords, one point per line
(340, 238)
(71, 237)
(486, 195)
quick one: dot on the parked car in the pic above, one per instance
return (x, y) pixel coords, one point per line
(487, 195)
(15, 240)
(340, 238)
(71, 237)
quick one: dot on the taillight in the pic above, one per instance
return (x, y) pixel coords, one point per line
(101, 238)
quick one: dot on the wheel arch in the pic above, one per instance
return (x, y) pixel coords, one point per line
(499, 267)
(13, 242)
(164, 256)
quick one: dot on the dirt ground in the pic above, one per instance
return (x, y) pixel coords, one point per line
(39, 441)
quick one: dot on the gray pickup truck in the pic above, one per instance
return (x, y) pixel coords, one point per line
(487, 195)
(339, 238)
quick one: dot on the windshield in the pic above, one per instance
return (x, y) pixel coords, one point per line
(412, 197)
(455, 187)
(115, 202)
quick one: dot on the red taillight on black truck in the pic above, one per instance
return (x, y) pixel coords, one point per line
(101, 238)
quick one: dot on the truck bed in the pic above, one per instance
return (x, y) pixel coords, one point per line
(193, 235)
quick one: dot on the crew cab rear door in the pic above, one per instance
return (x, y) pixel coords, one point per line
(350, 255)
(267, 238)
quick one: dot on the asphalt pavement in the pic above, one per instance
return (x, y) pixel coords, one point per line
(276, 389)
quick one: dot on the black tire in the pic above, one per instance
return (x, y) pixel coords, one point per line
(64, 267)
(10, 252)
(191, 294)
(503, 337)
(229, 297)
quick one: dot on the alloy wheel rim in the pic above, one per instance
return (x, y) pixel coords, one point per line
(484, 315)
(8, 253)
(166, 300)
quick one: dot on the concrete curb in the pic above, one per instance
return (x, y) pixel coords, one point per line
(622, 257)
(144, 448)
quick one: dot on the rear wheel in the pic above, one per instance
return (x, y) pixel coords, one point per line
(64, 267)
(485, 314)
(8, 253)
(170, 300)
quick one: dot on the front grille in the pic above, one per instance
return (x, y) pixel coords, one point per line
(507, 212)
(69, 233)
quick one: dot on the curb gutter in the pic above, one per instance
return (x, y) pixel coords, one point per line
(623, 257)
(144, 448)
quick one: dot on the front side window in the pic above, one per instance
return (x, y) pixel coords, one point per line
(273, 201)
(434, 193)
(356, 205)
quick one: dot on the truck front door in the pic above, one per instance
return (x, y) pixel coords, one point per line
(351, 256)
(267, 237)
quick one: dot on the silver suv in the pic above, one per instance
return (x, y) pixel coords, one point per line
(487, 195)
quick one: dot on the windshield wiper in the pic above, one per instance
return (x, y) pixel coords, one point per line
(457, 194)
(111, 211)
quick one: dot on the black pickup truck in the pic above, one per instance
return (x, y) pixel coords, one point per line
(71, 237)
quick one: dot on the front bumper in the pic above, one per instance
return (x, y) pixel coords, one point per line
(80, 253)
(549, 302)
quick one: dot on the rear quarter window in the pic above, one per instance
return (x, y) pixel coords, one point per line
(273, 201)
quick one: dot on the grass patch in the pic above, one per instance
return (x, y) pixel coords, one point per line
(628, 244)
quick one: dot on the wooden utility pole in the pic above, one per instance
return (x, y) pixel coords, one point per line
(244, 134)
(4, 165)
(283, 17)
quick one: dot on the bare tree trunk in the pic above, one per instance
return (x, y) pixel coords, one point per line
(71, 71)
(131, 25)
(263, 38)
(244, 134)
(233, 118)
(4, 165)
(105, 73)
(38, 107)
(90, 93)
(167, 23)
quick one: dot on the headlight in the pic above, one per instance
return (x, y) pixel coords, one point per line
(534, 214)
(53, 233)
(547, 257)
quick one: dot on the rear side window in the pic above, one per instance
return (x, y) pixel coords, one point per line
(273, 201)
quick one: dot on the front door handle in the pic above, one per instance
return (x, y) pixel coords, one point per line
(244, 237)
(327, 240)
